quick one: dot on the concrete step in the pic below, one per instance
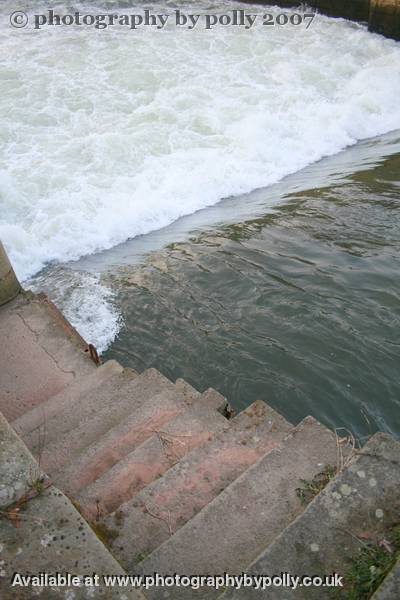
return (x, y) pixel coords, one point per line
(389, 588)
(76, 412)
(209, 396)
(47, 534)
(190, 429)
(44, 354)
(122, 439)
(182, 384)
(72, 431)
(39, 415)
(165, 505)
(238, 524)
(359, 505)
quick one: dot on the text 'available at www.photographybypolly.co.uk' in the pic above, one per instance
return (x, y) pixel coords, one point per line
(225, 580)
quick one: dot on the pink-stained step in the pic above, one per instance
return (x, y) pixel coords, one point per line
(191, 429)
(161, 508)
(69, 433)
(122, 439)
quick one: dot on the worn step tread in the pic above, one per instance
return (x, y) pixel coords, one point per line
(74, 430)
(122, 439)
(42, 355)
(71, 416)
(190, 429)
(40, 414)
(362, 500)
(165, 505)
(248, 515)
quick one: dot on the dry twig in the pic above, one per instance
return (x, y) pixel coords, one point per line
(166, 520)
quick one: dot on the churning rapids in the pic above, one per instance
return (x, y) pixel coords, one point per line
(109, 134)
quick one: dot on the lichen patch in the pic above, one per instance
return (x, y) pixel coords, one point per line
(345, 489)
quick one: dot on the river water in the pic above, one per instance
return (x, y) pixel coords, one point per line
(222, 205)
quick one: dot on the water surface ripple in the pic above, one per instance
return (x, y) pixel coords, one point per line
(300, 308)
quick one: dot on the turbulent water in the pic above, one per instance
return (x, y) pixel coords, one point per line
(118, 135)
(113, 133)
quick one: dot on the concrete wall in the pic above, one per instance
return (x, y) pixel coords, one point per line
(382, 16)
(9, 285)
(355, 10)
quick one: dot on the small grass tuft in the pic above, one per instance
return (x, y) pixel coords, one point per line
(312, 488)
(370, 567)
(140, 557)
(13, 511)
(39, 485)
(104, 533)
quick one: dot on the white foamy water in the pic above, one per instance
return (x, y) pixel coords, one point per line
(85, 301)
(109, 134)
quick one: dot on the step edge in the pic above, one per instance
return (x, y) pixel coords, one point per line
(111, 365)
(307, 420)
(373, 440)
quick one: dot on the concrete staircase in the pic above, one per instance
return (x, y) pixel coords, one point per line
(362, 499)
(169, 478)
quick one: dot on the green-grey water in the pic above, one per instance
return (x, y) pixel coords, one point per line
(299, 307)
